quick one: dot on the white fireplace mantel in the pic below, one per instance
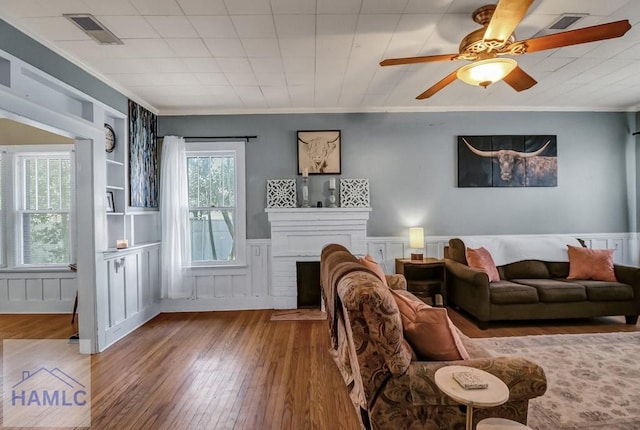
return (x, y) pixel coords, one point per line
(299, 234)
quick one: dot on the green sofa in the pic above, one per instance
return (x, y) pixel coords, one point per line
(535, 289)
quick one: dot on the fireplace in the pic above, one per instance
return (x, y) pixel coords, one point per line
(308, 284)
(298, 236)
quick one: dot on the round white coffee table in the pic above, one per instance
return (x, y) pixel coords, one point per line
(495, 394)
(500, 424)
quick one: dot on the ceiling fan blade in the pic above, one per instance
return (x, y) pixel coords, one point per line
(519, 80)
(414, 60)
(438, 86)
(575, 37)
(505, 19)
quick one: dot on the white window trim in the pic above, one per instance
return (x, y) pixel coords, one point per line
(238, 149)
(12, 173)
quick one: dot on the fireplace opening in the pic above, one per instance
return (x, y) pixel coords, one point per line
(308, 280)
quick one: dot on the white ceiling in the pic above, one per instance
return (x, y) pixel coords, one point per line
(247, 56)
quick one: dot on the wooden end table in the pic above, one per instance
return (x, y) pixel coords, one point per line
(425, 278)
(495, 394)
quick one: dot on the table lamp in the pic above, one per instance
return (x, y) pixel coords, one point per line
(416, 241)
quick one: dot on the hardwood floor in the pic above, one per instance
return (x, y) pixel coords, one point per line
(210, 370)
(467, 325)
(233, 370)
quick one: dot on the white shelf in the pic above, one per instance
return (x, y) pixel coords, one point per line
(114, 162)
(110, 252)
(116, 182)
(131, 210)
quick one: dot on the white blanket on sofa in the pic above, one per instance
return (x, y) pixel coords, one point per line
(509, 249)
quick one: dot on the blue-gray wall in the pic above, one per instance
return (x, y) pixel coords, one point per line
(411, 162)
(20, 45)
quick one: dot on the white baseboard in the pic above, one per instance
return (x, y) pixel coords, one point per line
(37, 307)
(217, 304)
(286, 302)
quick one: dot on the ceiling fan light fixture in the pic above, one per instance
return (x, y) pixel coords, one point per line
(485, 72)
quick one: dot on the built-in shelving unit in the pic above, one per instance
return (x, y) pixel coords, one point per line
(117, 182)
(138, 226)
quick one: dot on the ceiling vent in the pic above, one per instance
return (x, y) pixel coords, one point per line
(93, 28)
(566, 21)
(562, 23)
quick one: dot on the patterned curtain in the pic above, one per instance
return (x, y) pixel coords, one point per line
(143, 157)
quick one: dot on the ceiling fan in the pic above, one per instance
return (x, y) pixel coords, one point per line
(488, 46)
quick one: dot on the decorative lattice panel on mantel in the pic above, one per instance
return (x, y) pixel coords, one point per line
(281, 193)
(354, 193)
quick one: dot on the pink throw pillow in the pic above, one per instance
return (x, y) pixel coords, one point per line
(481, 259)
(596, 264)
(429, 330)
(372, 265)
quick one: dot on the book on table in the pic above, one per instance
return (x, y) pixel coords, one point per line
(469, 380)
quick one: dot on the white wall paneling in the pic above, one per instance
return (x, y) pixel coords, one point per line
(386, 250)
(133, 290)
(249, 287)
(37, 292)
(625, 245)
(229, 288)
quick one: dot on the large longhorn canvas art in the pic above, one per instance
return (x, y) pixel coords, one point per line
(507, 161)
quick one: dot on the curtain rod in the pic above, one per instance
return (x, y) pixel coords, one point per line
(247, 138)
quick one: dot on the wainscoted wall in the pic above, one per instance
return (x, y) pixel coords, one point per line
(133, 291)
(249, 287)
(37, 292)
(134, 281)
(386, 249)
(227, 288)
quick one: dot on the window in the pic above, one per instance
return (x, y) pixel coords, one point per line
(216, 188)
(44, 209)
(36, 206)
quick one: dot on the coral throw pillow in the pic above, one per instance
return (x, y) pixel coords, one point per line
(481, 259)
(429, 330)
(596, 264)
(372, 265)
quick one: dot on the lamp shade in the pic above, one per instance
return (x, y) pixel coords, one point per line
(416, 237)
(485, 72)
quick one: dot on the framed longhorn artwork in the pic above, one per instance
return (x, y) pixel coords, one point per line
(319, 152)
(508, 161)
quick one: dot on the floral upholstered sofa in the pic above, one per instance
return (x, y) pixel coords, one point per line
(389, 387)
